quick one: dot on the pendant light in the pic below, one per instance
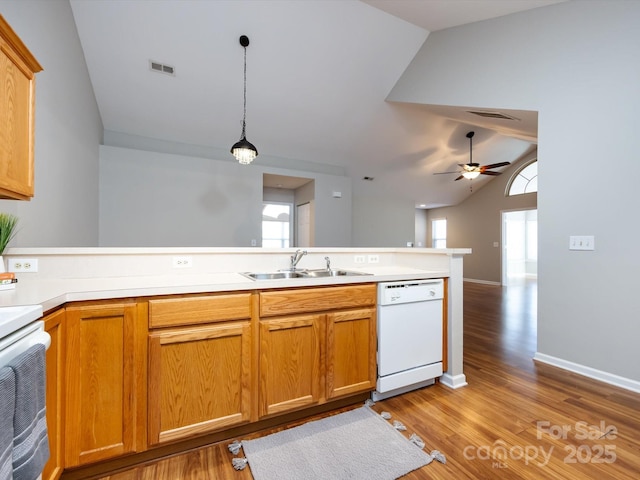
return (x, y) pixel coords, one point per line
(243, 150)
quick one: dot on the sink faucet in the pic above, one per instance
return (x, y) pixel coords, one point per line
(328, 263)
(296, 257)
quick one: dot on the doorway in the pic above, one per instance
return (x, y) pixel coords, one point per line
(298, 194)
(519, 246)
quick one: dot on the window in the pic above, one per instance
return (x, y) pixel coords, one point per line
(525, 181)
(439, 233)
(276, 225)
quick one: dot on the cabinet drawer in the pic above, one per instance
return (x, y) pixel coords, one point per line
(164, 312)
(283, 302)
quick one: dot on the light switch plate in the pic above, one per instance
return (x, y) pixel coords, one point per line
(582, 242)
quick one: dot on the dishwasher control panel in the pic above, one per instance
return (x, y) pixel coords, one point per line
(391, 293)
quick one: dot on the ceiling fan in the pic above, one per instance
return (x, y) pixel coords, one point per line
(472, 170)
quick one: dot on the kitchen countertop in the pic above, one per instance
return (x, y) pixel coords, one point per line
(51, 292)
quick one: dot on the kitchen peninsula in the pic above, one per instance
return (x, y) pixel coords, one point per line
(138, 328)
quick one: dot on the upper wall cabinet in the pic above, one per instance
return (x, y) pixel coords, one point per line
(17, 115)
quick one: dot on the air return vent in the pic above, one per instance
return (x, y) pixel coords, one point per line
(161, 68)
(489, 114)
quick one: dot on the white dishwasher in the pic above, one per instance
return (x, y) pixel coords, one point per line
(409, 336)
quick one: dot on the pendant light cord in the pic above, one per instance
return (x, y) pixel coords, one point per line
(244, 115)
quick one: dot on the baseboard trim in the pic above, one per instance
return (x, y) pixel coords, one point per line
(610, 378)
(452, 381)
(484, 282)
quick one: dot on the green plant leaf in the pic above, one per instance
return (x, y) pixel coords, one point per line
(8, 225)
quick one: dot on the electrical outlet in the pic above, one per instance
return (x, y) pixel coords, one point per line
(182, 262)
(20, 265)
(358, 259)
(374, 258)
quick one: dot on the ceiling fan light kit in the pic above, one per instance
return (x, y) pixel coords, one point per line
(243, 150)
(471, 175)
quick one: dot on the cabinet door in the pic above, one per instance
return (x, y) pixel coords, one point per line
(54, 325)
(290, 373)
(351, 352)
(199, 380)
(101, 388)
(17, 109)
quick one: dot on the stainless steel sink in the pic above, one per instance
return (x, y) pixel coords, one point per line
(301, 274)
(273, 276)
(331, 273)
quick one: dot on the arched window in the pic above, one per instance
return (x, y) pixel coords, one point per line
(525, 181)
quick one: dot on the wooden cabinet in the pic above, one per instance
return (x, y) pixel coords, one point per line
(310, 358)
(351, 352)
(201, 309)
(17, 115)
(199, 380)
(147, 372)
(302, 300)
(200, 376)
(54, 325)
(105, 347)
(290, 368)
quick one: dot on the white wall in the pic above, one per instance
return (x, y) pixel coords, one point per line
(64, 211)
(160, 199)
(382, 219)
(332, 216)
(421, 229)
(282, 195)
(576, 63)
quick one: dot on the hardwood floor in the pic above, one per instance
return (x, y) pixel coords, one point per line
(515, 420)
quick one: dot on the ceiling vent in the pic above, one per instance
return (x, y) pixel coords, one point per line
(161, 68)
(495, 115)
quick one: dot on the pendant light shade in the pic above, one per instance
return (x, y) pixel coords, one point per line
(243, 150)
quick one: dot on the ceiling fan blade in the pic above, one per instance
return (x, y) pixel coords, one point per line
(495, 165)
(443, 173)
(489, 172)
(461, 176)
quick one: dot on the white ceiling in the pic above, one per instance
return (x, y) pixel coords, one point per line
(318, 74)
(434, 15)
